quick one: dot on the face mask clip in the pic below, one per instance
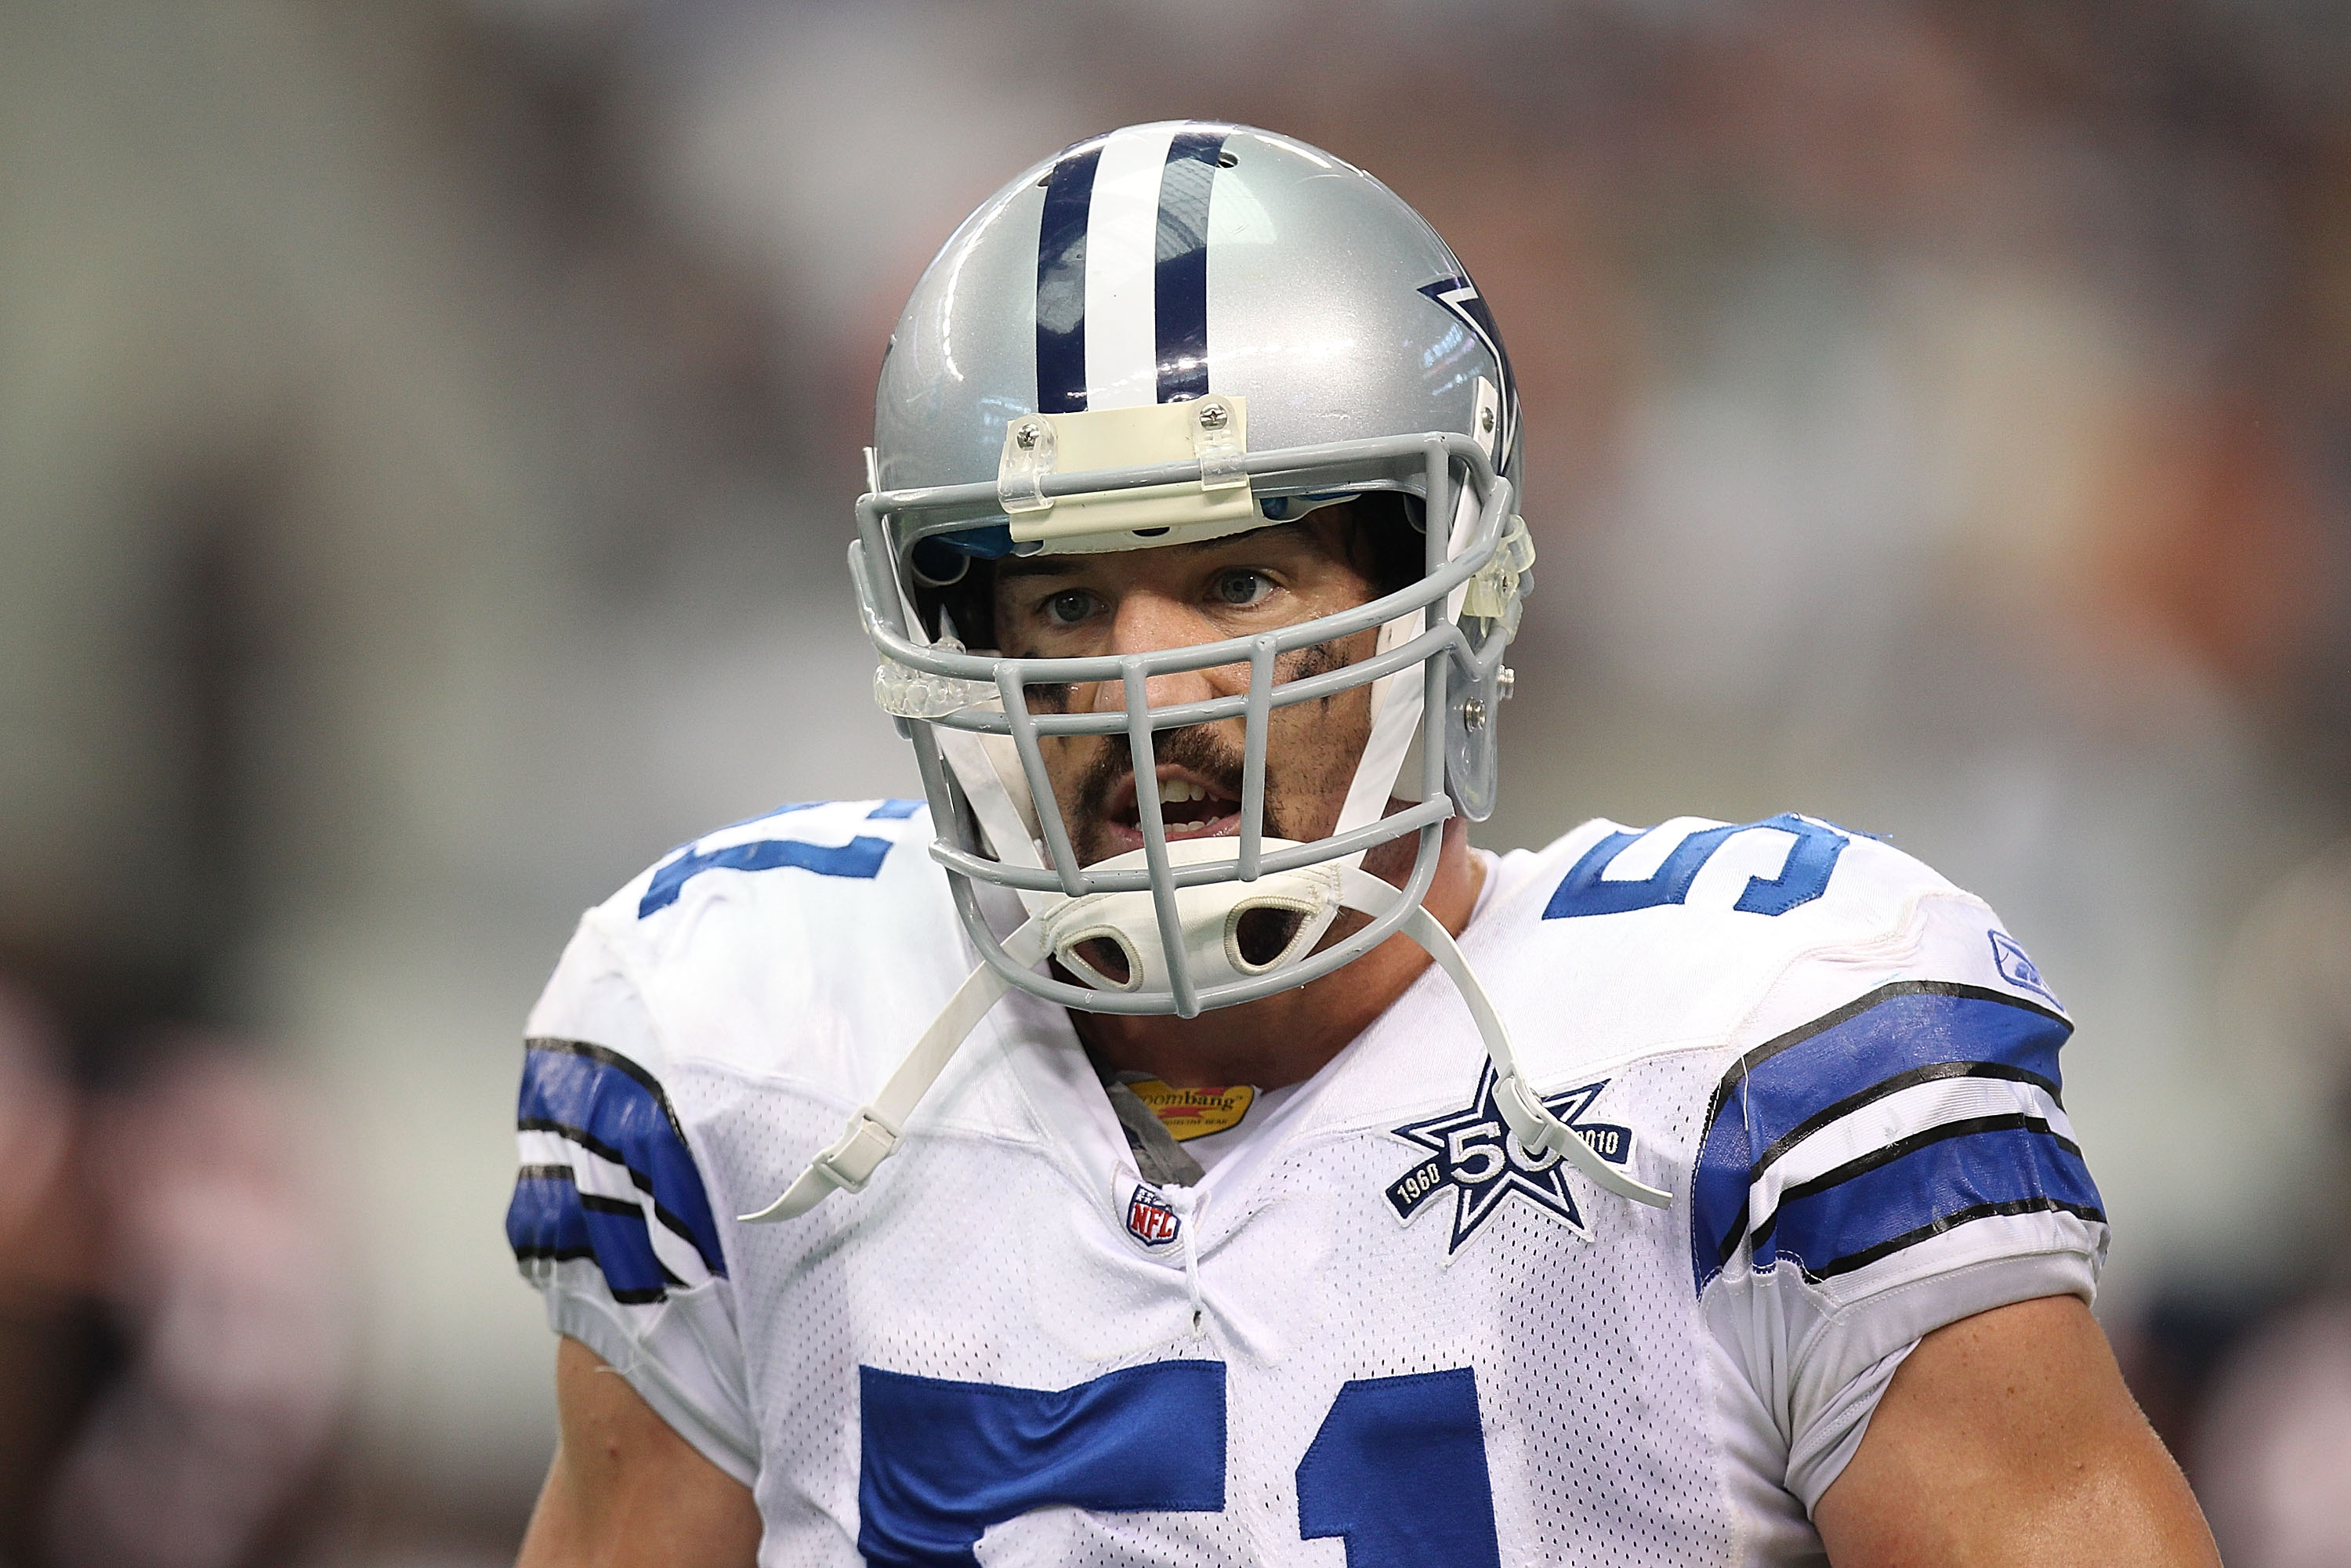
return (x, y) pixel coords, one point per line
(1210, 433)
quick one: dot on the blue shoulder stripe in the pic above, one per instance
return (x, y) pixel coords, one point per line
(608, 1105)
(550, 1217)
(1907, 1032)
(860, 857)
(1922, 1186)
(544, 1219)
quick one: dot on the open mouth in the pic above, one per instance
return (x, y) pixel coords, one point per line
(1190, 807)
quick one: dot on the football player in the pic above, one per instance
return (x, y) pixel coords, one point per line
(1169, 1141)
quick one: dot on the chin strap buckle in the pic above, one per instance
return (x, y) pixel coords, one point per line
(854, 1156)
(875, 1132)
(846, 1166)
(1531, 1122)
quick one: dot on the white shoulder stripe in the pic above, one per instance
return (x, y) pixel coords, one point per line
(1904, 1114)
(597, 1176)
(1122, 269)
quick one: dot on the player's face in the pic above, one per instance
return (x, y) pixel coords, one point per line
(1180, 596)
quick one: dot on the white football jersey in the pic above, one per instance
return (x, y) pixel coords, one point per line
(1376, 1332)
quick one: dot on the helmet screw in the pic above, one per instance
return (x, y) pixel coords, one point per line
(1213, 416)
(1486, 419)
(1506, 680)
(1473, 715)
(1025, 437)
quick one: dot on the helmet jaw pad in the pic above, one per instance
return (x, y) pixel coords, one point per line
(1209, 915)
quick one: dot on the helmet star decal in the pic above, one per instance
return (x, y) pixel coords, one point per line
(1473, 1155)
(1461, 300)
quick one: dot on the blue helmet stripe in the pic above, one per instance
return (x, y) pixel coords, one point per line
(1180, 278)
(1061, 283)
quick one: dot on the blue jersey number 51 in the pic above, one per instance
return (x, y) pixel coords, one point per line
(1803, 876)
(1397, 1470)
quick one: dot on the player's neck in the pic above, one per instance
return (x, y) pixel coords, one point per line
(1289, 1037)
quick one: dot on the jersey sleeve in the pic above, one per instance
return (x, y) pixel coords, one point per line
(1894, 1164)
(610, 1218)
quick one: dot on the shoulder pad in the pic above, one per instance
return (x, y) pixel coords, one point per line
(1699, 933)
(803, 941)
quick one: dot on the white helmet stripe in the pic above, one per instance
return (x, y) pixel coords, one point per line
(1122, 270)
(1121, 263)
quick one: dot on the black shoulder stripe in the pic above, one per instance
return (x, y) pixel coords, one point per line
(606, 1056)
(557, 1254)
(676, 1225)
(1952, 1221)
(1860, 1165)
(602, 1204)
(596, 1145)
(579, 1135)
(1852, 1009)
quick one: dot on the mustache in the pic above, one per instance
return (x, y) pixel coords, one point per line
(1193, 748)
(1198, 748)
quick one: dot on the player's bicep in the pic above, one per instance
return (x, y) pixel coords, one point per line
(625, 1490)
(1900, 1164)
(2005, 1437)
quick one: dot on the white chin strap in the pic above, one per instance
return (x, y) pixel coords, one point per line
(1212, 915)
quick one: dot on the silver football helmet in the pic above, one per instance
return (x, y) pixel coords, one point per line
(1172, 333)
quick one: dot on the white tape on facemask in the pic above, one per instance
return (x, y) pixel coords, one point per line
(987, 767)
(1396, 703)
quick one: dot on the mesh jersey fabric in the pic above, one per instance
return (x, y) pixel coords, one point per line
(1373, 1317)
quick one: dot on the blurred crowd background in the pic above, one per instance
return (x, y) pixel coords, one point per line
(427, 434)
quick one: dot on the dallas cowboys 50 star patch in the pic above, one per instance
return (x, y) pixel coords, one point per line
(1473, 1155)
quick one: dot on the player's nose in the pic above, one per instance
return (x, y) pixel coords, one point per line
(1148, 622)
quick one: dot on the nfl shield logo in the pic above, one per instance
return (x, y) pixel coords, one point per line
(1149, 1220)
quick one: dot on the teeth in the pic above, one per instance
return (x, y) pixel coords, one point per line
(1177, 792)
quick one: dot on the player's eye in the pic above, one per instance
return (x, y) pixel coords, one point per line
(1068, 607)
(1242, 588)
